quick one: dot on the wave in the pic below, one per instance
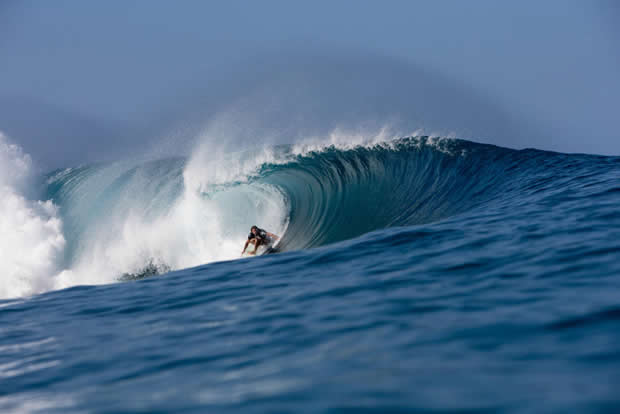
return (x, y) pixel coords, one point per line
(131, 219)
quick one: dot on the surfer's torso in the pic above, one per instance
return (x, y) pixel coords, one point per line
(260, 234)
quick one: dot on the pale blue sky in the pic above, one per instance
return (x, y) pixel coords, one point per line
(552, 66)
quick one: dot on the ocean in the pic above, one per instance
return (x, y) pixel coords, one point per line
(418, 274)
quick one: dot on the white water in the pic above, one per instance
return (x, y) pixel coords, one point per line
(193, 230)
(31, 239)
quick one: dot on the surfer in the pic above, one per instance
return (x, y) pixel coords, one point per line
(259, 237)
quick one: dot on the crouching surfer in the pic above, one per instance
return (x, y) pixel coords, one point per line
(259, 237)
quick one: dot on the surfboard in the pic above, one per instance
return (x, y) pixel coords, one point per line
(270, 249)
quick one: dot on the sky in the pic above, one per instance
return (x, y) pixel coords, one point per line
(80, 78)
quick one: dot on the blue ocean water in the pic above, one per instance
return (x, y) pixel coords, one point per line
(417, 275)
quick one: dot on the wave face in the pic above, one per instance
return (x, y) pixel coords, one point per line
(337, 194)
(125, 219)
(415, 275)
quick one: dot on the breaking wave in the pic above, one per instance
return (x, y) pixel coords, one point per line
(125, 220)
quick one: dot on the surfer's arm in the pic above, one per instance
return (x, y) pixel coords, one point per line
(245, 246)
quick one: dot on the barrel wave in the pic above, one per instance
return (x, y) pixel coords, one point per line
(134, 219)
(145, 217)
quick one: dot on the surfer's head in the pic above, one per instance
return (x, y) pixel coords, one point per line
(254, 229)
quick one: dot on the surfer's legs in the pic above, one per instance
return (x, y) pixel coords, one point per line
(257, 243)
